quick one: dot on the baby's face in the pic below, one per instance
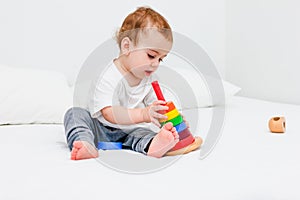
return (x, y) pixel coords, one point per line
(144, 58)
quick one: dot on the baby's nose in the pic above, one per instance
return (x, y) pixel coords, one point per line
(155, 64)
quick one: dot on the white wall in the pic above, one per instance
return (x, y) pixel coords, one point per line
(261, 53)
(263, 48)
(60, 34)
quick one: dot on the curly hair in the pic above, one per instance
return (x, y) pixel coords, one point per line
(141, 18)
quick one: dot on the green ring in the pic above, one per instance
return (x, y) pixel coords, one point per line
(175, 121)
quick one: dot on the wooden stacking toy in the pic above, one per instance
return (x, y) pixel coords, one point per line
(187, 142)
(277, 124)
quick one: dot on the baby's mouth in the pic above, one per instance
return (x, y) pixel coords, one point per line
(148, 72)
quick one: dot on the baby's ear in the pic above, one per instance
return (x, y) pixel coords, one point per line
(125, 46)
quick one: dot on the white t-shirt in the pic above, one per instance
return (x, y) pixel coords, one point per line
(112, 89)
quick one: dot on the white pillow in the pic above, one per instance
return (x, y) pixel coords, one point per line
(189, 89)
(32, 96)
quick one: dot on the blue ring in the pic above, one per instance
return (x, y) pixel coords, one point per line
(109, 145)
(180, 127)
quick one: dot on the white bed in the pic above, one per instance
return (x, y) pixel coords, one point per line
(248, 162)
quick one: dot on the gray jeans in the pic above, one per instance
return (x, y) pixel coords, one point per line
(79, 125)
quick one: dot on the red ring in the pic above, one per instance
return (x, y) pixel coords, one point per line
(183, 143)
(184, 134)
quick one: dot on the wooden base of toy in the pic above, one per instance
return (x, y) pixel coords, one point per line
(195, 145)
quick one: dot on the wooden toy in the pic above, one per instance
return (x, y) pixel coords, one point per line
(187, 142)
(277, 124)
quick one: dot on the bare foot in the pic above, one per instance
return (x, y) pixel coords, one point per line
(83, 150)
(163, 141)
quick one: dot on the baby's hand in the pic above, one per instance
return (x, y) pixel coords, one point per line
(152, 112)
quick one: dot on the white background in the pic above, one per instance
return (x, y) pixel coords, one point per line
(263, 48)
(254, 44)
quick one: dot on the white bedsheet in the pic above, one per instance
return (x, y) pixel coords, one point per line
(248, 162)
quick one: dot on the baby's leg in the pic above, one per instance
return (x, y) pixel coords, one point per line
(79, 129)
(165, 139)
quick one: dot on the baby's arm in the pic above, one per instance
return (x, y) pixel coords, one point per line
(126, 116)
(121, 115)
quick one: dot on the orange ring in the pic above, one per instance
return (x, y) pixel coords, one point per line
(171, 106)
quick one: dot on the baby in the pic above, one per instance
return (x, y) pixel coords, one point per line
(123, 102)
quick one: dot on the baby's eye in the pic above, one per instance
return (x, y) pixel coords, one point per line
(160, 60)
(150, 56)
